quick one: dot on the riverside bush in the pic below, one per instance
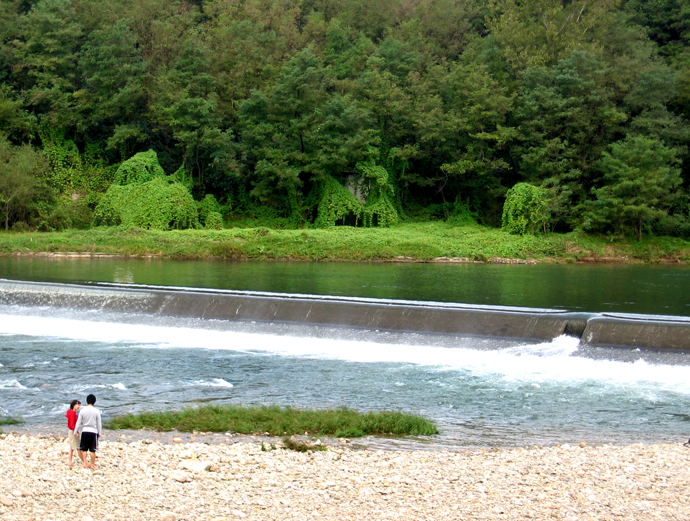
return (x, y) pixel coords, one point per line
(156, 205)
(142, 196)
(379, 210)
(525, 209)
(336, 203)
(210, 215)
(140, 168)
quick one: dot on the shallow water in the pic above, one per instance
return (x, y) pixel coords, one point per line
(482, 392)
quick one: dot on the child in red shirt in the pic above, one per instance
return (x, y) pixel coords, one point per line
(71, 422)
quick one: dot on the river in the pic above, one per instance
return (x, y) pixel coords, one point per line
(483, 392)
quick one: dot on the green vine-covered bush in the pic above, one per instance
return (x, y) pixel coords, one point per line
(181, 176)
(157, 205)
(214, 221)
(140, 168)
(144, 197)
(379, 209)
(71, 171)
(336, 203)
(525, 209)
(210, 212)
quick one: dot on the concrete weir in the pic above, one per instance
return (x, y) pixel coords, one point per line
(644, 331)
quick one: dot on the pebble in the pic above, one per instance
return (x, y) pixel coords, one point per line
(234, 481)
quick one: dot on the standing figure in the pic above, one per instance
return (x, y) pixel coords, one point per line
(71, 423)
(88, 428)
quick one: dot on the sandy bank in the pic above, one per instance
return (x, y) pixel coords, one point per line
(152, 481)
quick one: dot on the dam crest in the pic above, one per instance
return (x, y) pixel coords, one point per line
(516, 323)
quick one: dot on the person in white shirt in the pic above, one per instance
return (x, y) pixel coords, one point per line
(88, 428)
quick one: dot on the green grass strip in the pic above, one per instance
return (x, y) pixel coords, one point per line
(7, 420)
(413, 241)
(278, 421)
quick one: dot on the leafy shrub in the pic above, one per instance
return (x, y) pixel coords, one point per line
(336, 203)
(461, 215)
(182, 177)
(156, 204)
(207, 206)
(525, 209)
(213, 221)
(68, 213)
(140, 168)
(379, 209)
(142, 196)
(71, 171)
(20, 227)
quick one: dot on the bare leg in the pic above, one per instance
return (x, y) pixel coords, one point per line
(69, 458)
(93, 461)
(82, 455)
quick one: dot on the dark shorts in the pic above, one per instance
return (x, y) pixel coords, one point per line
(89, 442)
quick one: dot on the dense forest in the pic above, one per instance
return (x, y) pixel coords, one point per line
(549, 115)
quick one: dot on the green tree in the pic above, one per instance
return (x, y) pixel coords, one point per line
(537, 33)
(187, 105)
(525, 209)
(9, 31)
(46, 59)
(642, 177)
(462, 130)
(245, 56)
(20, 168)
(298, 132)
(567, 115)
(14, 120)
(450, 25)
(114, 97)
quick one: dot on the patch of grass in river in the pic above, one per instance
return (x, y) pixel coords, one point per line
(279, 421)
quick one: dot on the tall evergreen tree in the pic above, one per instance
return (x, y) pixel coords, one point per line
(642, 177)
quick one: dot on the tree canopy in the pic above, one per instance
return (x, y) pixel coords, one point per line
(276, 108)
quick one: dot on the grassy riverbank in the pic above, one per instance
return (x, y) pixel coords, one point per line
(278, 421)
(411, 242)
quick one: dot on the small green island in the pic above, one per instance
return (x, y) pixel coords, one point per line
(279, 421)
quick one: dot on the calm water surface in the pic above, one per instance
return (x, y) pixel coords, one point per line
(661, 290)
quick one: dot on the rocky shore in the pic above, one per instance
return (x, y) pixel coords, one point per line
(150, 480)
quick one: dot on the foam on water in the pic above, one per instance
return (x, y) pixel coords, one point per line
(215, 382)
(530, 363)
(10, 384)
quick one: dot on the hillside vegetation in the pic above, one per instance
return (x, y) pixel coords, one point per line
(535, 116)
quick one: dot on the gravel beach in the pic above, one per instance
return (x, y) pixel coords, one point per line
(150, 480)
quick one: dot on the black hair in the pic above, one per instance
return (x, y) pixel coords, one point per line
(90, 399)
(74, 402)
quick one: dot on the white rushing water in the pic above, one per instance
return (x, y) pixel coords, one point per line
(478, 389)
(537, 362)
